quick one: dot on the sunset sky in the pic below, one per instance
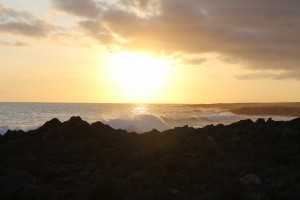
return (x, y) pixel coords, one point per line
(150, 51)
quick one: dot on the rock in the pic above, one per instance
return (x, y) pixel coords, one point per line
(48, 126)
(138, 180)
(54, 134)
(231, 191)
(36, 192)
(53, 123)
(153, 131)
(241, 124)
(210, 139)
(76, 129)
(174, 163)
(78, 161)
(254, 194)
(103, 185)
(180, 179)
(12, 180)
(290, 132)
(251, 179)
(99, 127)
(269, 121)
(287, 195)
(14, 134)
(295, 122)
(260, 121)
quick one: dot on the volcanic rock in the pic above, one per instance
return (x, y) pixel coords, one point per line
(74, 160)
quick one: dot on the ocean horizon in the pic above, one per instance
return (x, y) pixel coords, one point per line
(138, 117)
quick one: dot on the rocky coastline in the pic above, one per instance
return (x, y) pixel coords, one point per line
(75, 160)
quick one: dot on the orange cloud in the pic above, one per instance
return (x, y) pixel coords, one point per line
(259, 34)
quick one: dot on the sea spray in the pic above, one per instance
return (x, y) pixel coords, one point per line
(139, 123)
(132, 117)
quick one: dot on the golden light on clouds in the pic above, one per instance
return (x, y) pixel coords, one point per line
(139, 76)
(65, 51)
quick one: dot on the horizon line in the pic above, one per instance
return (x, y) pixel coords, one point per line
(45, 102)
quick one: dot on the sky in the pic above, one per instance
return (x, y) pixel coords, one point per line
(150, 51)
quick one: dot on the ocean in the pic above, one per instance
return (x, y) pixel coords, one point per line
(132, 117)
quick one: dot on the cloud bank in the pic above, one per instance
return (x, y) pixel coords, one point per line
(22, 23)
(85, 8)
(260, 34)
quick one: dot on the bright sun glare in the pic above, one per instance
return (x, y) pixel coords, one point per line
(139, 75)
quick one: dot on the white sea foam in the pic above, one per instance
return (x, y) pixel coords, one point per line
(139, 123)
(3, 130)
(138, 118)
(222, 116)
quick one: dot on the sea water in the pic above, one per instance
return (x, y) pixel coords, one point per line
(132, 117)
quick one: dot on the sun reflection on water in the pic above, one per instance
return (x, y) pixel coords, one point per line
(140, 110)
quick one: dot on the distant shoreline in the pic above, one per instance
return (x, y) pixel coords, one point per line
(250, 104)
(268, 110)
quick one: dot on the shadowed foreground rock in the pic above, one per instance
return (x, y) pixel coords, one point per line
(75, 160)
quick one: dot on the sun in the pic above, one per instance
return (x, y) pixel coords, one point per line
(139, 75)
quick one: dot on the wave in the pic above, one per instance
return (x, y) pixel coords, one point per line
(3, 129)
(221, 117)
(139, 123)
(201, 118)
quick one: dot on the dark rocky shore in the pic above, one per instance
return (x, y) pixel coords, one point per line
(75, 160)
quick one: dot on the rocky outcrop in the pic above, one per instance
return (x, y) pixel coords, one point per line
(75, 160)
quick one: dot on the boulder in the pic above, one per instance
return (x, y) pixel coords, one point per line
(54, 134)
(53, 123)
(99, 129)
(290, 132)
(104, 185)
(251, 179)
(241, 124)
(16, 134)
(78, 161)
(36, 192)
(75, 129)
(260, 121)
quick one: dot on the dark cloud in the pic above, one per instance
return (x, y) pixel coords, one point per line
(261, 34)
(22, 23)
(267, 75)
(14, 44)
(86, 8)
(36, 29)
(96, 30)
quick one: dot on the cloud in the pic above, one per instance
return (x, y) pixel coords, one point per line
(97, 31)
(86, 8)
(22, 23)
(37, 29)
(195, 61)
(14, 44)
(10, 13)
(257, 34)
(267, 75)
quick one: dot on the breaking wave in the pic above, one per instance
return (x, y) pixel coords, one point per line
(139, 123)
(3, 129)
